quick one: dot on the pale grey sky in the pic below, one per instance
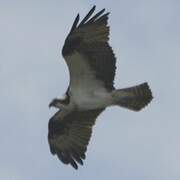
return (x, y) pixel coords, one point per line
(145, 36)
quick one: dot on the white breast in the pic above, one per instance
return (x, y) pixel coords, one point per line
(86, 90)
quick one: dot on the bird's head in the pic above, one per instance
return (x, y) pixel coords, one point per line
(54, 103)
(59, 103)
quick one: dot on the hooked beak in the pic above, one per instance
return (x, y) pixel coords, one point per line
(51, 104)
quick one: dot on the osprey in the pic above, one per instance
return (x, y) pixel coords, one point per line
(92, 64)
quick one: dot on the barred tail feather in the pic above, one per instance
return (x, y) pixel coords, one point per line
(134, 98)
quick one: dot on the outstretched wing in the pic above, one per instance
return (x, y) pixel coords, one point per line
(69, 135)
(87, 52)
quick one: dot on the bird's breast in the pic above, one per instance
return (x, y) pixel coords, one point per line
(86, 91)
(90, 98)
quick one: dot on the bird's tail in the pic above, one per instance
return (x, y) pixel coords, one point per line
(134, 98)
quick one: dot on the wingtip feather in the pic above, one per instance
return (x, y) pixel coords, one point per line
(75, 23)
(87, 16)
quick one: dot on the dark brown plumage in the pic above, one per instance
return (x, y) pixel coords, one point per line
(69, 137)
(90, 38)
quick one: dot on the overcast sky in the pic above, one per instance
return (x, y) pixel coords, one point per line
(145, 36)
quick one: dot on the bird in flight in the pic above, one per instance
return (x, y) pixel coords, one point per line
(92, 64)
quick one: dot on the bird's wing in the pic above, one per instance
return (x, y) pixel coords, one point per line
(87, 51)
(69, 135)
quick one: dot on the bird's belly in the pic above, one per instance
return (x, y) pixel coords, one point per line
(87, 100)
